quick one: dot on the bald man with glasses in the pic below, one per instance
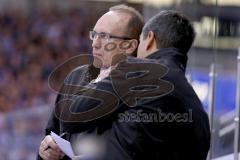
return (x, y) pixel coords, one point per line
(114, 37)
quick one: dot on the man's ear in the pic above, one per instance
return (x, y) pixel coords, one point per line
(150, 41)
(133, 44)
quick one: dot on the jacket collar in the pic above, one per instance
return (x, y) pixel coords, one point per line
(170, 56)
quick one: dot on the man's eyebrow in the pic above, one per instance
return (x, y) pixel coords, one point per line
(101, 32)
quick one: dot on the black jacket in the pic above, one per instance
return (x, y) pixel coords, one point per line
(145, 121)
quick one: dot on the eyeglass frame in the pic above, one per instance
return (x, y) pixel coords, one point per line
(109, 36)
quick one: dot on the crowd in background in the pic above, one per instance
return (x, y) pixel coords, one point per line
(21, 133)
(31, 45)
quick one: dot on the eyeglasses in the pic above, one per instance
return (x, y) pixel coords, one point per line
(93, 35)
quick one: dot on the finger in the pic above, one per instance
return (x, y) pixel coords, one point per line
(48, 154)
(51, 143)
(49, 150)
(44, 144)
(62, 155)
(52, 154)
(43, 155)
(41, 149)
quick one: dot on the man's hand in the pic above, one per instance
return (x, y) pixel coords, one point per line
(49, 150)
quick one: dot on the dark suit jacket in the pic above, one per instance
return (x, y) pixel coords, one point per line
(167, 121)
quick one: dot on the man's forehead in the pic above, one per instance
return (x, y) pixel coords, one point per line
(112, 20)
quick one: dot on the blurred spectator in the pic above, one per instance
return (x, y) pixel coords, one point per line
(30, 47)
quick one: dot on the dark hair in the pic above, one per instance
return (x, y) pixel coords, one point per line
(171, 29)
(135, 23)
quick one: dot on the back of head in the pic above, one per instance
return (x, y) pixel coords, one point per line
(135, 23)
(171, 29)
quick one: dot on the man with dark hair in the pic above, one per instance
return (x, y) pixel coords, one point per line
(115, 36)
(171, 29)
(180, 128)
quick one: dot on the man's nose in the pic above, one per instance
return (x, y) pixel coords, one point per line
(96, 43)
